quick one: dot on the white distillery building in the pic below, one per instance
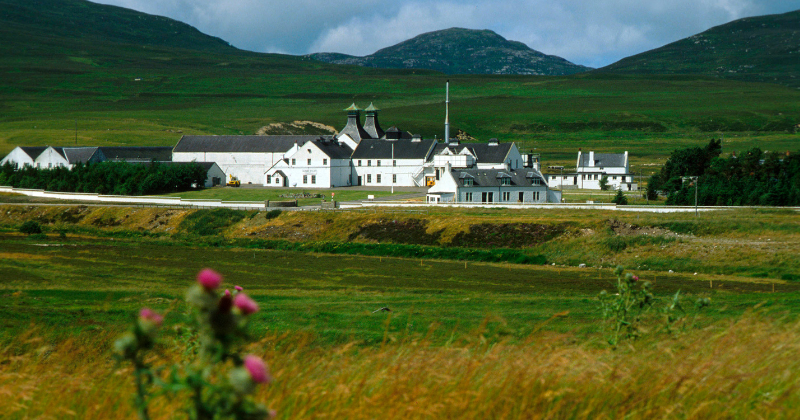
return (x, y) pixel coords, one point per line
(591, 168)
(323, 162)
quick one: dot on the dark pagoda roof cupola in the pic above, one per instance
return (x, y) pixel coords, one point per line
(354, 129)
(371, 125)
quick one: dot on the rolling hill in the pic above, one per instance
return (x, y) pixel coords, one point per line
(461, 51)
(74, 72)
(762, 48)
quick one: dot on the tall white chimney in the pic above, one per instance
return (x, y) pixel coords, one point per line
(447, 113)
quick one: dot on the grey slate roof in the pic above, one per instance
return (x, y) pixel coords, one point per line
(33, 151)
(334, 150)
(79, 154)
(604, 160)
(240, 144)
(136, 154)
(491, 177)
(484, 153)
(403, 149)
(394, 133)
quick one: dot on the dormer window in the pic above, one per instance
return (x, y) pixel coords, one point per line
(505, 181)
(468, 182)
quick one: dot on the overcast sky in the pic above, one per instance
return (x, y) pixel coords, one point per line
(589, 32)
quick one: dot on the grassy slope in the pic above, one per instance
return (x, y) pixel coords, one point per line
(762, 48)
(47, 84)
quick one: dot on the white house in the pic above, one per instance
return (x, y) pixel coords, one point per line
(492, 155)
(592, 167)
(320, 163)
(476, 185)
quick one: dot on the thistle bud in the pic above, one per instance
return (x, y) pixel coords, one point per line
(246, 305)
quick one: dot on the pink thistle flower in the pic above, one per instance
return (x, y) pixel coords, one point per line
(258, 369)
(635, 278)
(227, 292)
(151, 316)
(238, 288)
(209, 279)
(245, 304)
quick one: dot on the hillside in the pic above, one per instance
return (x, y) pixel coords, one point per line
(461, 51)
(38, 21)
(762, 48)
(62, 75)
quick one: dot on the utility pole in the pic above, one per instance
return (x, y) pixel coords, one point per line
(392, 168)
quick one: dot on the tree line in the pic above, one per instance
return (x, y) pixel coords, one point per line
(755, 178)
(118, 178)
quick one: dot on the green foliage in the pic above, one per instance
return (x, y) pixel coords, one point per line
(624, 310)
(604, 183)
(620, 198)
(118, 178)
(30, 227)
(752, 179)
(211, 222)
(272, 214)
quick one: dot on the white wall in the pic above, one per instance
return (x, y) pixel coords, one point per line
(248, 167)
(404, 170)
(50, 159)
(18, 157)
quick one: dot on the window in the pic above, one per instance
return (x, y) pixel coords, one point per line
(359, 162)
(313, 179)
(305, 179)
(369, 178)
(308, 150)
(394, 178)
(379, 162)
(277, 180)
(378, 178)
(269, 179)
(294, 162)
(394, 163)
(506, 196)
(505, 181)
(369, 163)
(324, 161)
(468, 196)
(468, 182)
(623, 179)
(521, 196)
(309, 162)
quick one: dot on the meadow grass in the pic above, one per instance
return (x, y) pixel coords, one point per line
(462, 339)
(263, 194)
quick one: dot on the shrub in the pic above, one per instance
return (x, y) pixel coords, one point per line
(620, 199)
(272, 214)
(31, 227)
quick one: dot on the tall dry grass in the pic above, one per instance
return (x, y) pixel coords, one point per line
(747, 368)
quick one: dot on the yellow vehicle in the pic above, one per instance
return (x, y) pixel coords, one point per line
(233, 181)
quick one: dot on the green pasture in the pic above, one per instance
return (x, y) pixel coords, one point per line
(70, 285)
(154, 96)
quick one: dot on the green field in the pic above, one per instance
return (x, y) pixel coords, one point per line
(493, 331)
